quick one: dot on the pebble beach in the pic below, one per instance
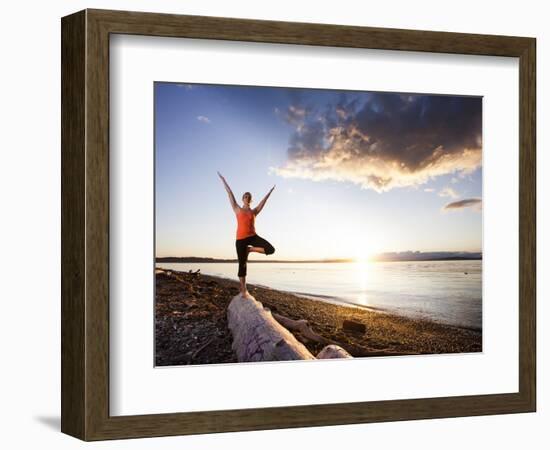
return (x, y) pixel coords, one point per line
(191, 323)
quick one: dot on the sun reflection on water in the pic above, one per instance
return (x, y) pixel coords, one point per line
(362, 273)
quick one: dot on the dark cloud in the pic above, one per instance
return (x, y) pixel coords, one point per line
(474, 203)
(384, 140)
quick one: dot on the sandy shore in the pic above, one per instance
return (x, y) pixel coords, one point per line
(191, 323)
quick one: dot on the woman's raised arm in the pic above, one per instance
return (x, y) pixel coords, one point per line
(261, 205)
(232, 200)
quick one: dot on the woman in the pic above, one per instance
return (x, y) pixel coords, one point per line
(247, 239)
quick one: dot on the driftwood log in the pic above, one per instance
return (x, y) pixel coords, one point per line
(302, 327)
(258, 336)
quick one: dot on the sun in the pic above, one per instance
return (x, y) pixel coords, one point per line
(365, 253)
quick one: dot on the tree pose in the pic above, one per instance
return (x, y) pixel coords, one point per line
(247, 240)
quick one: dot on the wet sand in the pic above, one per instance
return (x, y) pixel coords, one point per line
(191, 323)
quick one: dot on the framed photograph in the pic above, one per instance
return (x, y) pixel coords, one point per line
(273, 225)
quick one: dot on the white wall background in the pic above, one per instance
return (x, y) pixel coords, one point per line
(30, 225)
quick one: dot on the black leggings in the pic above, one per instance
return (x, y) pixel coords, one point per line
(242, 253)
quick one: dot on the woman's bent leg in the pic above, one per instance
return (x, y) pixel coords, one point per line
(258, 241)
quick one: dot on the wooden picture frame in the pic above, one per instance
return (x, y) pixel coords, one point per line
(85, 224)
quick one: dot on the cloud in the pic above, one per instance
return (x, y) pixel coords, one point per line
(203, 119)
(448, 192)
(429, 190)
(294, 115)
(474, 203)
(381, 141)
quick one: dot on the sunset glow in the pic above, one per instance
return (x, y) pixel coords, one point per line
(356, 173)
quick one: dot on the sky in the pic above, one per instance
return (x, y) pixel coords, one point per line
(355, 173)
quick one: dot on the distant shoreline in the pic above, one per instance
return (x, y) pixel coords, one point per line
(192, 259)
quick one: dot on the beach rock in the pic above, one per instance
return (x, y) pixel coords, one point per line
(333, 352)
(355, 327)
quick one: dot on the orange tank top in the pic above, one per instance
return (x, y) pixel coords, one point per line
(245, 223)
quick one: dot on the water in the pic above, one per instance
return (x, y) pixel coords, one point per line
(444, 291)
